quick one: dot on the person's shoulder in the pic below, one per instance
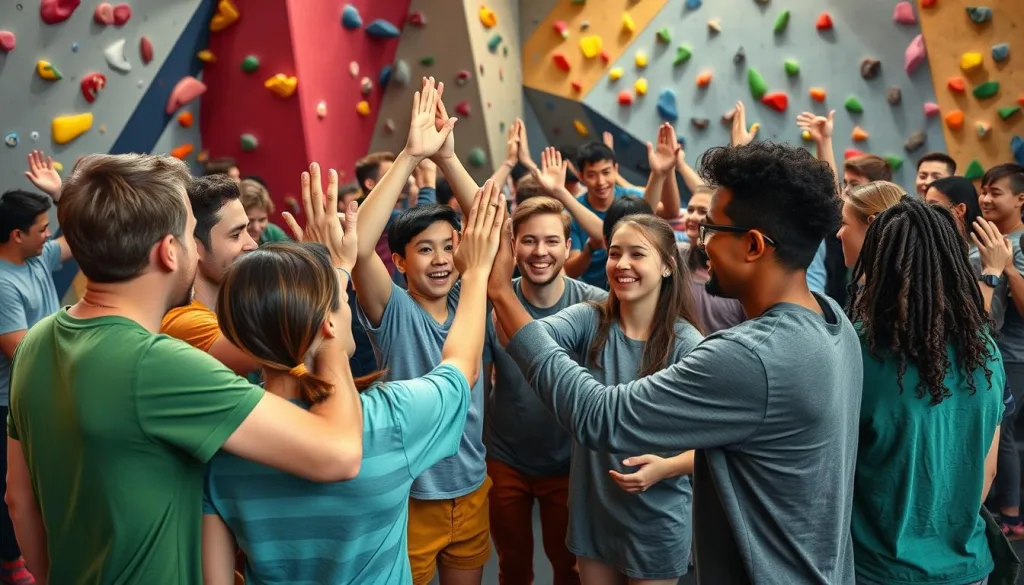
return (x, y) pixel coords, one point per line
(581, 291)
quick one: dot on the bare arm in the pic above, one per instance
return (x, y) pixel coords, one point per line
(218, 552)
(464, 188)
(235, 359)
(551, 177)
(651, 470)
(820, 129)
(990, 466)
(690, 177)
(9, 342)
(578, 261)
(511, 157)
(25, 514)
(662, 160)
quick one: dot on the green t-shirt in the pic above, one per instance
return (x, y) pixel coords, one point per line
(920, 474)
(272, 233)
(116, 425)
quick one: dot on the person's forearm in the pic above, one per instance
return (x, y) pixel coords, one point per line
(465, 342)
(31, 536)
(690, 177)
(655, 186)
(511, 314)
(987, 292)
(501, 173)
(681, 464)
(375, 211)
(827, 154)
(576, 265)
(669, 197)
(588, 220)
(463, 186)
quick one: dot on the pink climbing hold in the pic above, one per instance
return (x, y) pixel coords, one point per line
(7, 41)
(56, 11)
(931, 109)
(122, 13)
(904, 13)
(186, 90)
(915, 55)
(145, 50)
(104, 13)
(462, 109)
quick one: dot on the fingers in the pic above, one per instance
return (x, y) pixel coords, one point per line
(638, 460)
(306, 196)
(332, 190)
(293, 226)
(416, 99)
(982, 232)
(316, 194)
(493, 193)
(478, 201)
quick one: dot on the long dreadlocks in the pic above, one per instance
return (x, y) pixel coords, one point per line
(920, 294)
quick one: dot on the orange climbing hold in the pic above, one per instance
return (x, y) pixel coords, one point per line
(704, 79)
(778, 101)
(180, 152)
(859, 134)
(227, 14)
(561, 61)
(818, 94)
(955, 120)
(185, 119)
(625, 97)
(957, 84)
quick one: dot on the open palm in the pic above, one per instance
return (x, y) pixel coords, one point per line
(425, 139)
(441, 118)
(819, 127)
(552, 175)
(662, 157)
(42, 174)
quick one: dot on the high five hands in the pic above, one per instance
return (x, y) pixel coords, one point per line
(323, 222)
(479, 243)
(430, 128)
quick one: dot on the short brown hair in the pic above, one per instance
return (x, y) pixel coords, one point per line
(526, 187)
(540, 205)
(115, 208)
(219, 166)
(255, 196)
(870, 166)
(368, 168)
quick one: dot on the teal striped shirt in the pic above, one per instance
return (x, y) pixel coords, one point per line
(300, 532)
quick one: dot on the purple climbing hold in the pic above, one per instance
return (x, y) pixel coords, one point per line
(382, 29)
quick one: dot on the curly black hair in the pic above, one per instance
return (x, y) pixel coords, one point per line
(780, 190)
(919, 295)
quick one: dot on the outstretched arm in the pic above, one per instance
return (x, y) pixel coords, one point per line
(609, 141)
(820, 129)
(46, 178)
(463, 186)
(662, 160)
(551, 177)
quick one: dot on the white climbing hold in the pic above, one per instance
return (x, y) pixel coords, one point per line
(115, 57)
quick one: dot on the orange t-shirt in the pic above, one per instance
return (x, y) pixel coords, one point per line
(195, 324)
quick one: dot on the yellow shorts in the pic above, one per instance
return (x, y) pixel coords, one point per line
(454, 532)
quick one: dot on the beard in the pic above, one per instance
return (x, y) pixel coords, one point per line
(713, 287)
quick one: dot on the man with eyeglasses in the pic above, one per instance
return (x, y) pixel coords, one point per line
(771, 405)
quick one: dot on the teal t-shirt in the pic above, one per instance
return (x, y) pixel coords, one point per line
(595, 274)
(272, 233)
(920, 474)
(297, 531)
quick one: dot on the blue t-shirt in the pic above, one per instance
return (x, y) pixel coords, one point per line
(408, 343)
(595, 274)
(816, 273)
(27, 295)
(297, 531)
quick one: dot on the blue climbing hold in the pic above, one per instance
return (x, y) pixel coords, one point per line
(382, 29)
(979, 14)
(1017, 148)
(1000, 52)
(350, 18)
(11, 139)
(74, 47)
(667, 109)
(385, 76)
(693, 4)
(494, 43)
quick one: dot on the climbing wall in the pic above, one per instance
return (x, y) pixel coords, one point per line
(950, 34)
(476, 55)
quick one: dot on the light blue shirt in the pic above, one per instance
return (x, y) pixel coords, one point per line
(595, 274)
(816, 273)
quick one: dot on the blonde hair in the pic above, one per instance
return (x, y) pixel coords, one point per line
(872, 198)
(255, 196)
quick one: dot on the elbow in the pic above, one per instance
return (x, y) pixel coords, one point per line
(342, 464)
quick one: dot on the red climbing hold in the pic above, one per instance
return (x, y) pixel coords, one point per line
(577, 86)
(417, 19)
(852, 152)
(462, 109)
(605, 57)
(957, 84)
(7, 41)
(561, 61)
(778, 101)
(55, 11)
(92, 84)
(927, 3)
(145, 50)
(824, 21)
(625, 97)
(122, 13)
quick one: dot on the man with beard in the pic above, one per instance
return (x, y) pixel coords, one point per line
(528, 453)
(221, 237)
(772, 404)
(111, 424)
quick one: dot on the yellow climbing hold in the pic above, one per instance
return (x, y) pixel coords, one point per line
(58, 167)
(627, 23)
(487, 17)
(227, 14)
(641, 59)
(640, 86)
(363, 108)
(281, 84)
(206, 56)
(970, 61)
(47, 71)
(591, 46)
(615, 73)
(67, 128)
(580, 127)
(806, 135)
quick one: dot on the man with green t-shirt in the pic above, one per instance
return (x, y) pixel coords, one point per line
(111, 424)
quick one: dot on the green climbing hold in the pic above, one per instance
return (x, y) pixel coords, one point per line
(986, 90)
(853, 105)
(427, 61)
(1008, 111)
(895, 162)
(477, 157)
(758, 86)
(782, 21)
(974, 170)
(250, 63)
(792, 67)
(664, 35)
(683, 54)
(494, 43)
(249, 142)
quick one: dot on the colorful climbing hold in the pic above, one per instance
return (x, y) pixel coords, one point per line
(640, 87)
(180, 152)
(576, 87)
(365, 86)
(477, 157)
(806, 135)
(584, 25)
(389, 124)
(956, 84)
(321, 109)
(693, 4)
(185, 119)
(781, 21)
(859, 134)
(904, 13)
(114, 53)
(74, 47)
(931, 109)
(104, 13)
(350, 18)
(248, 142)
(418, 18)
(206, 56)
(145, 50)
(47, 71)
(487, 16)
(739, 57)
(664, 35)
(915, 141)
(853, 153)
(462, 109)
(11, 139)
(250, 63)
(625, 97)
(92, 84)
(777, 101)
(974, 170)
(869, 68)
(55, 11)
(683, 54)
(400, 73)
(463, 77)
(894, 96)
(580, 127)
(852, 104)
(122, 14)
(363, 108)
(281, 85)
(606, 58)
(385, 77)
(986, 90)
(1000, 52)
(628, 24)
(894, 161)
(792, 67)
(979, 14)
(561, 28)
(615, 73)
(700, 123)
(915, 55)
(381, 29)
(970, 61)
(667, 108)
(818, 94)
(591, 46)
(715, 26)
(494, 43)
(1017, 148)
(66, 128)
(982, 128)
(824, 22)
(227, 14)
(187, 89)
(1006, 112)
(704, 79)
(34, 135)
(561, 61)
(640, 59)
(8, 41)
(954, 120)
(758, 86)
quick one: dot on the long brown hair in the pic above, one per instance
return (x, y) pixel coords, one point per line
(675, 298)
(271, 305)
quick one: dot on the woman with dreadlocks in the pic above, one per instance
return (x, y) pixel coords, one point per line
(932, 403)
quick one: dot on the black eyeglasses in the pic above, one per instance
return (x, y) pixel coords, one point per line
(710, 227)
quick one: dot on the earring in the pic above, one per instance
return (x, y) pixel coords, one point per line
(666, 274)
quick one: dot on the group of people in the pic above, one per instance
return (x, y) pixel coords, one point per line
(805, 375)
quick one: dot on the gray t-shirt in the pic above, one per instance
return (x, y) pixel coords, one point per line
(644, 536)
(1008, 320)
(521, 433)
(408, 344)
(27, 295)
(773, 404)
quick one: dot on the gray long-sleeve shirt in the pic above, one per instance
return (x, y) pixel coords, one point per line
(774, 405)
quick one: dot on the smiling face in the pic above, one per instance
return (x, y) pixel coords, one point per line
(258, 219)
(634, 267)
(229, 239)
(928, 172)
(998, 201)
(540, 248)
(600, 178)
(33, 240)
(852, 179)
(696, 212)
(429, 264)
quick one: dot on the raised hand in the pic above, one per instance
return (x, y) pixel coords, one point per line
(480, 240)
(42, 174)
(512, 144)
(740, 135)
(524, 147)
(504, 263)
(662, 158)
(441, 120)
(426, 138)
(608, 140)
(820, 127)
(553, 170)
(652, 469)
(323, 222)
